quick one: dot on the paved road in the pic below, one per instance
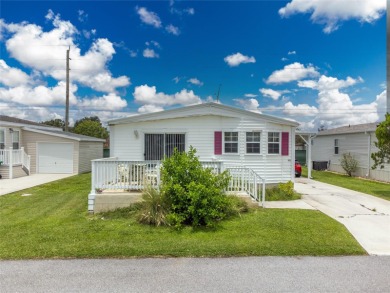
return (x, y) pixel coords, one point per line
(366, 217)
(251, 274)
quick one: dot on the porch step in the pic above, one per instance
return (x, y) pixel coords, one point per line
(108, 201)
(17, 171)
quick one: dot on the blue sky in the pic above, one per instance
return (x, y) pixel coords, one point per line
(318, 62)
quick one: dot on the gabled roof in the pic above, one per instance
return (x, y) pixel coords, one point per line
(68, 135)
(16, 122)
(201, 110)
(359, 128)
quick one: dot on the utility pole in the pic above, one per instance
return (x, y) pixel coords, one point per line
(67, 91)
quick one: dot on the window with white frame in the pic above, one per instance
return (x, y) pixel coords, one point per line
(15, 140)
(336, 146)
(159, 145)
(253, 142)
(231, 142)
(273, 142)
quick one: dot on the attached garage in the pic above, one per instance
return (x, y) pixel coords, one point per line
(55, 158)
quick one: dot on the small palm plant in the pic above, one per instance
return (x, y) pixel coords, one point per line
(153, 209)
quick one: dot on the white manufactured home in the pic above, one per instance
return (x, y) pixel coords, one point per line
(226, 138)
(357, 140)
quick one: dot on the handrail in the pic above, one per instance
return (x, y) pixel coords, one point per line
(247, 180)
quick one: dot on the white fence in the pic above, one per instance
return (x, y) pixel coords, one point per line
(13, 157)
(112, 174)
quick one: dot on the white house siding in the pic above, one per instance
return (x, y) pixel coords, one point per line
(199, 132)
(89, 151)
(31, 140)
(360, 145)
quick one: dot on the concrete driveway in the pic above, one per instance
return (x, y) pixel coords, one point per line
(17, 184)
(365, 216)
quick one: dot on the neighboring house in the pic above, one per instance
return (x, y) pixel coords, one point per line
(357, 140)
(224, 137)
(28, 147)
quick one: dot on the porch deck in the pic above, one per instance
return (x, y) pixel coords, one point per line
(111, 174)
(12, 160)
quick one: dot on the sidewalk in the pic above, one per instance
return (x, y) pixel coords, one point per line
(17, 184)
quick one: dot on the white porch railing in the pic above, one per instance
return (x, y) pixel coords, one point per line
(246, 180)
(13, 157)
(112, 174)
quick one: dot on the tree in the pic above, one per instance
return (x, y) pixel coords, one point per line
(383, 144)
(90, 127)
(92, 118)
(349, 164)
(55, 122)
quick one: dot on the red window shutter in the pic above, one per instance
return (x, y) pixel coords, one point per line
(218, 143)
(285, 143)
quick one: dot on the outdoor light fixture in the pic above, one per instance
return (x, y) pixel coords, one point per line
(11, 130)
(136, 133)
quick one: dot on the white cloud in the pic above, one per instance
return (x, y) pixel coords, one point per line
(291, 53)
(150, 109)
(284, 59)
(148, 95)
(236, 59)
(110, 102)
(331, 13)
(174, 30)
(153, 43)
(82, 16)
(176, 79)
(249, 104)
(326, 83)
(39, 95)
(148, 17)
(270, 93)
(195, 81)
(250, 96)
(150, 53)
(336, 108)
(46, 51)
(299, 110)
(12, 77)
(292, 72)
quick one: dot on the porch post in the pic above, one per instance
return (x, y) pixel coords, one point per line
(11, 163)
(310, 164)
(22, 156)
(92, 194)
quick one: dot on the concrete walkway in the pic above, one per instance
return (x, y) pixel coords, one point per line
(366, 217)
(17, 184)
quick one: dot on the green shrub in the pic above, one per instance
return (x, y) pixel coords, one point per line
(237, 206)
(284, 191)
(195, 195)
(153, 209)
(349, 164)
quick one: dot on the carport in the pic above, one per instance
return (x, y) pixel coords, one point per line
(307, 138)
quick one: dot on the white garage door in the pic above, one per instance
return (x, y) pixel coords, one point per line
(55, 158)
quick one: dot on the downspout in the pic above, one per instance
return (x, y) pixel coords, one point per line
(368, 154)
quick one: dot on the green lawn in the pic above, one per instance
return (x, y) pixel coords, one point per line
(53, 223)
(374, 188)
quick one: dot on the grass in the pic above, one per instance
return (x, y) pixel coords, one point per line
(375, 188)
(53, 223)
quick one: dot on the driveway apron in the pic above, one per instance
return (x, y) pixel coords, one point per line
(365, 216)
